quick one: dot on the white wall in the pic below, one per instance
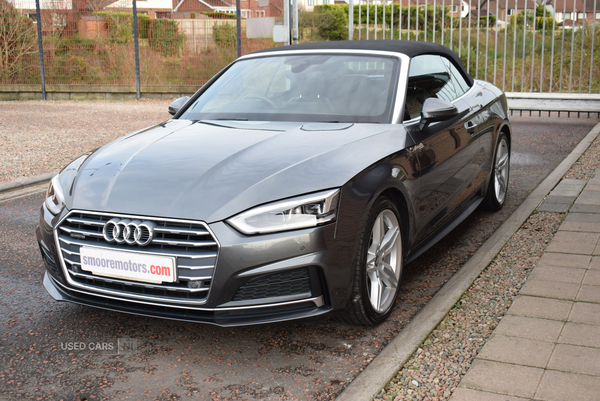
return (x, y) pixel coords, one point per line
(44, 4)
(147, 4)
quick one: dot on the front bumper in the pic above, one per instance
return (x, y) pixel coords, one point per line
(256, 267)
(240, 316)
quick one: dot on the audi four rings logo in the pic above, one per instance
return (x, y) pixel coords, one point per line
(132, 232)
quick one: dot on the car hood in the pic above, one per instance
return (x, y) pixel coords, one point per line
(211, 170)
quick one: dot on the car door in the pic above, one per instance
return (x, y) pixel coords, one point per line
(446, 150)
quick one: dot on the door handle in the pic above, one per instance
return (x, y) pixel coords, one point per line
(470, 127)
(414, 148)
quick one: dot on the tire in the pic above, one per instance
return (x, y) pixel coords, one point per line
(498, 185)
(377, 269)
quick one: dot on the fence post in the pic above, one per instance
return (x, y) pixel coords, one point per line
(295, 22)
(350, 20)
(40, 47)
(286, 22)
(137, 51)
(238, 20)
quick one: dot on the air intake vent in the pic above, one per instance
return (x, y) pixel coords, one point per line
(284, 284)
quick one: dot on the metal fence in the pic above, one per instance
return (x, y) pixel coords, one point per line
(99, 42)
(515, 44)
(521, 46)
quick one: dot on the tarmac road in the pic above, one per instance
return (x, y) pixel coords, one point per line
(51, 350)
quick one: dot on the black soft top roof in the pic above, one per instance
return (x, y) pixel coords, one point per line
(408, 47)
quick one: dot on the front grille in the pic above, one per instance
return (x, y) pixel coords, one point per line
(290, 283)
(191, 244)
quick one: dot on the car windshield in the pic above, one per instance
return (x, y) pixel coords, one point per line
(305, 88)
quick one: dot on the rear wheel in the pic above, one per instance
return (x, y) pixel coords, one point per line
(378, 266)
(498, 186)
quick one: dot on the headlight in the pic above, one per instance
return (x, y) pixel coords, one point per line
(290, 214)
(55, 200)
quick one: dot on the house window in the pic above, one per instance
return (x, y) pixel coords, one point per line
(567, 15)
(510, 12)
(597, 15)
(454, 8)
(581, 16)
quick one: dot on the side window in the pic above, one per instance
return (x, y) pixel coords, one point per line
(460, 83)
(428, 77)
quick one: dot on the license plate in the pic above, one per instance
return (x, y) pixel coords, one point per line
(128, 265)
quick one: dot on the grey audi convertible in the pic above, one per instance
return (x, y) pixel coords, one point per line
(295, 184)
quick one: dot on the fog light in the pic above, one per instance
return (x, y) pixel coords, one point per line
(194, 284)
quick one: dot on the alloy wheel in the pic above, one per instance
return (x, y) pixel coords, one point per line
(501, 171)
(384, 261)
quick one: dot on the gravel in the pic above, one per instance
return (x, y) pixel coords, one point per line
(437, 367)
(588, 164)
(28, 148)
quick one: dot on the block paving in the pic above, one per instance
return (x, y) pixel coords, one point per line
(547, 347)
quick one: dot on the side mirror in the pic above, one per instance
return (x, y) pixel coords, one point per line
(177, 105)
(435, 110)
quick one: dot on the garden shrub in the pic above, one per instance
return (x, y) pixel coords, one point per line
(120, 25)
(483, 20)
(332, 21)
(225, 35)
(164, 36)
(218, 15)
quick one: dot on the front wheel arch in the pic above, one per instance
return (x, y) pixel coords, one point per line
(399, 200)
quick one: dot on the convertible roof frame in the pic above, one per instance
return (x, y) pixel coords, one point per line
(407, 47)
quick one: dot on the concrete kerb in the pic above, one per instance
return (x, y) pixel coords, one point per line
(26, 182)
(391, 359)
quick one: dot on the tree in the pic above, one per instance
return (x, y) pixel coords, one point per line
(17, 41)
